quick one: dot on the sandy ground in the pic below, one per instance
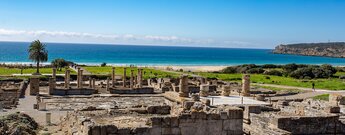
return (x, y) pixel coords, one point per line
(191, 68)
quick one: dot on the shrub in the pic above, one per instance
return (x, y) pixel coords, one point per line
(290, 67)
(59, 63)
(103, 64)
(302, 73)
(255, 71)
(269, 66)
(273, 72)
(329, 69)
(229, 70)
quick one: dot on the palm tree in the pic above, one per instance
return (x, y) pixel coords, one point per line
(38, 53)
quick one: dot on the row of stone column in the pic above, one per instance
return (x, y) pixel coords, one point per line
(138, 81)
(204, 88)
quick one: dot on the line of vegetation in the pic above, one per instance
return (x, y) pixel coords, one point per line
(298, 71)
(147, 72)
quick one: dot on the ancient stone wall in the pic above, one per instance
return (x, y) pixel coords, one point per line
(194, 123)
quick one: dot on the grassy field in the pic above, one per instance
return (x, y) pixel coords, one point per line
(148, 72)
(279, 89)
(331, 84)
(322, 97)
(10, 71)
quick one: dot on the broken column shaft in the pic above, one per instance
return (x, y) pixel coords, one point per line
(113, 77)
(124, 77)
(184, 91)
(131, 80)
(246, 85)
(140, 78)
(67, 78)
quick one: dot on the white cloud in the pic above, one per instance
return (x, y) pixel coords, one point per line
(77, 37)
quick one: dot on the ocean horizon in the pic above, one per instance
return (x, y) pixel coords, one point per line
(144, 55)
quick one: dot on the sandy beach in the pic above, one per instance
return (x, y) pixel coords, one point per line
(191, 68)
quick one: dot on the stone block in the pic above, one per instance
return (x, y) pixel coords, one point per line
(96, 130)
(198, 115)
(166, 122)
(171, 131)
(332, 109)
(184, 116)
(155, 131)
(186, 122)
(233, 124)
(174, 121)
(103, 130)
(213, 116)
(124, 131)
(189, 130)
(140, 130)
(156, 121)
(223, 115)
(235, 113)
(111, 129)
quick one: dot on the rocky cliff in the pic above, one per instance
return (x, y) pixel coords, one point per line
(331, 49)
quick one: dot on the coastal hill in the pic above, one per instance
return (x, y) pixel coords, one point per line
(330, 49)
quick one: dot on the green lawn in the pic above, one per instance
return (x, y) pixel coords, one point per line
(148, 72)
(10, 71)
(322, 97)
(280, 89)
(331, 84)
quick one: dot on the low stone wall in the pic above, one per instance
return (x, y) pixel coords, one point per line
(144, 90)
(195, 123)
(83, 91)
(308, 125)
(9, 98)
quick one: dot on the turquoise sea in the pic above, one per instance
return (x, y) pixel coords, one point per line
(16, 52)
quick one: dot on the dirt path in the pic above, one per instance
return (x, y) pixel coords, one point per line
(85, 72)
(26, 106)
(308, 94)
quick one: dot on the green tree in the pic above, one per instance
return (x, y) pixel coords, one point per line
(59, 63)
(38, 53)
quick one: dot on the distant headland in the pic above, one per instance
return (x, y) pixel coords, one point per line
(330, 49)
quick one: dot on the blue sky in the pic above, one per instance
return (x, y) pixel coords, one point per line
(214, 23)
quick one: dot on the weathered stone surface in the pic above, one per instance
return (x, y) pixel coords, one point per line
(162, 109)
(34, 85)
(246, 85)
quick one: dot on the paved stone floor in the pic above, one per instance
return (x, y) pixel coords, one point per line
(233, 100)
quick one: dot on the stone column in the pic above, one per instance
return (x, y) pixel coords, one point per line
(90, 82)
(48, 118)
(113, 79)
(140, 78)
(226, 90)
(67, 78)
(52, 86)
(108, 84)
(184, 91)
(124, 77)
(246, 85)
(54, 72)
(204, 90)
(131, 82)
(94, 83)
(78, 77)
(202, 80)
(81, 79)
(34, 85)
